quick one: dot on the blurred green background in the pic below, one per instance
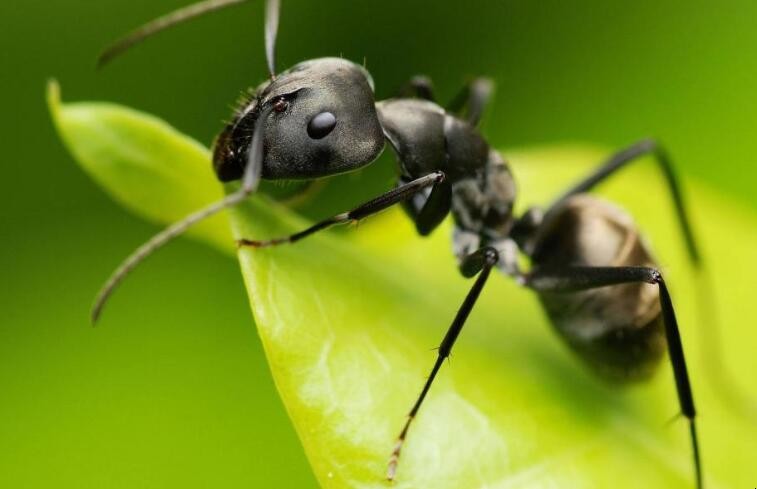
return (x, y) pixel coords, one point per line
(173, 389)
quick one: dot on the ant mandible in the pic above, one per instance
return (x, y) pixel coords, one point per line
(590, 268)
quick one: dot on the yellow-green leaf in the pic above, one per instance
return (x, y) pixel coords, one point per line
(349, 320)
(142, 162)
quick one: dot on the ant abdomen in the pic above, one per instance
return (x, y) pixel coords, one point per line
(616, 329)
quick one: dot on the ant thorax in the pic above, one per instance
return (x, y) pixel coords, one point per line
(426, 138)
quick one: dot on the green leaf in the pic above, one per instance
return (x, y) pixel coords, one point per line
(349, 319)
(143, 163)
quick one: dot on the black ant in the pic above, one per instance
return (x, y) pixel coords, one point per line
(590, 267)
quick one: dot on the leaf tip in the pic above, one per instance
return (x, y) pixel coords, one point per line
(53, 91)
(53, 98)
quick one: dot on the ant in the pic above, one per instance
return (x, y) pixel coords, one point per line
(593, 273)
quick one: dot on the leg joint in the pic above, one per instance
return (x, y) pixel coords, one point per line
(491, 256)
(478, 260)
(655, 276)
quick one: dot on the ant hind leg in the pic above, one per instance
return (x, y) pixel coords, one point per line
(574, 279)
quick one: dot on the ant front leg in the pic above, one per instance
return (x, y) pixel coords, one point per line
(472, 99)
(573, 279)
(479, 262)
(428, 208)
(419, 86)
(373, 206)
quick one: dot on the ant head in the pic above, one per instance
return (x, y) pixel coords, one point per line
(321, 121)
(318, 118)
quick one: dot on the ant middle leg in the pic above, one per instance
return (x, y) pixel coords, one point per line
(479, 262)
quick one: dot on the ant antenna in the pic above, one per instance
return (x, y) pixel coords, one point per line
(272, 8)
(250, 180)
(160, 24)
(187, 13)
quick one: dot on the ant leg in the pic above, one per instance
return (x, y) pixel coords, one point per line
(629, 155)
(429, 208)
(573, 279)
(479, 262)
(371, 207)
(419, 86)
(720, 376)
(474, 97)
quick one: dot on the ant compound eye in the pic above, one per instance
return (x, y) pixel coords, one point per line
(280, 105)
(321, 125)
